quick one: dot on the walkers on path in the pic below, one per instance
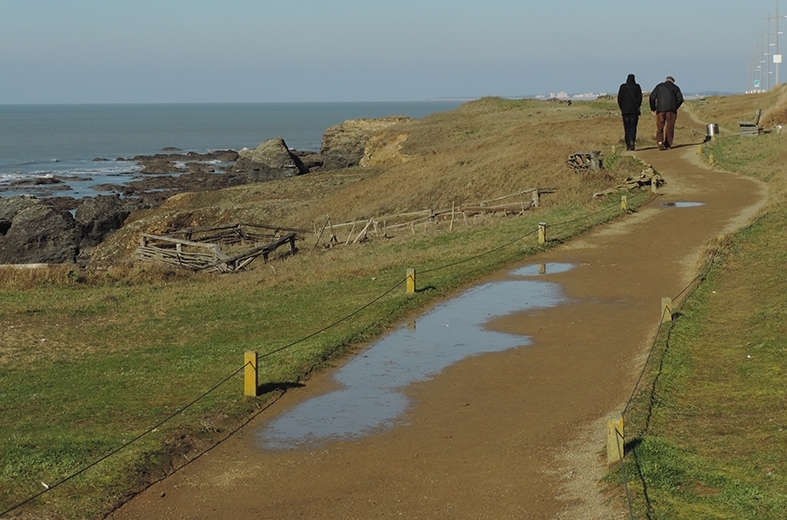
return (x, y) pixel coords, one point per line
(630, 101)
(665, 100)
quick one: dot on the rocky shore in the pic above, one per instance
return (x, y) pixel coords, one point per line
(55, 229)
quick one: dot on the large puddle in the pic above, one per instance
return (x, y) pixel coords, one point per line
(371, 398)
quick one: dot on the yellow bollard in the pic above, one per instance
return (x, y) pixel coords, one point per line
(615, 439)
(250, 374)
(711, 160)
(666, 308)
(699, 149)
(542, 233)
(624, 206)
(410, 281)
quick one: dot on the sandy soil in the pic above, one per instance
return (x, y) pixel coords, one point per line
(517, 434)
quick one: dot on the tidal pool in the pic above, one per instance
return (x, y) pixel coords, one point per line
(371, 400)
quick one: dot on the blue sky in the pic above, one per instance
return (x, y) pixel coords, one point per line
(159, 51)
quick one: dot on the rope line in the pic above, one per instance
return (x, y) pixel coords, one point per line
(345, 318)
(127, 444)
(285, 347)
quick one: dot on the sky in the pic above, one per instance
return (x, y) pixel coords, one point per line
(194, 51)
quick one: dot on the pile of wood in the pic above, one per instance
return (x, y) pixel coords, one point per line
(585, 161)
(648, 179)
(198, 249)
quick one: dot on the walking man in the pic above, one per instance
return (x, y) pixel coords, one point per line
(630, 101)
(665, 100)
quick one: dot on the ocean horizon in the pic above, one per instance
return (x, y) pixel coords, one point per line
(83, 144)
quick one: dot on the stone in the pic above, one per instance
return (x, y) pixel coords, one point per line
(269, 161)
(343, 145)
(31, 232)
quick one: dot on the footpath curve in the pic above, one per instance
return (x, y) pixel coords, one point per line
(516, 434)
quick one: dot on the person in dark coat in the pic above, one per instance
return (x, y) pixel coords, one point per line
(630, 101)
(665, 100)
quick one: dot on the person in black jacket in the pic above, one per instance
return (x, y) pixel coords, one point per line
(665, 100)
(630, 101)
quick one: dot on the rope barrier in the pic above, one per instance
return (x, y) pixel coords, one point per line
(124, 445)
(285, 347)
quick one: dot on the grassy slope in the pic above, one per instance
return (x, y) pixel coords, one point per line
(91, 360)
(708, 436)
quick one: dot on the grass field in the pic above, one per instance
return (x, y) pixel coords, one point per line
(114, 375)
(707, 436)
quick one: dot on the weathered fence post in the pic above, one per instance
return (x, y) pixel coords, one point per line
(250, 374)
(666, 308)
(615, 438)
(411, 281)
(542, 232)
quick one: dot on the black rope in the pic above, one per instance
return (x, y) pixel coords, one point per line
(125, 445)
(280, 349)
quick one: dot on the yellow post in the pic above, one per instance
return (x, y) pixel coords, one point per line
(615, 438)
(542, 232)
(699, 149)
(666, 308)
(711, 160)
(624, 206)
(411, 281)
(250, 374)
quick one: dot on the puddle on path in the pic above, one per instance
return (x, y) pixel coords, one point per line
(371, 397)
(683, 204)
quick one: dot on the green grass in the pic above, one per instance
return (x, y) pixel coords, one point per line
(707, 435)
(91, 362)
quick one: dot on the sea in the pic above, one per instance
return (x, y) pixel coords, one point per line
(87, 146)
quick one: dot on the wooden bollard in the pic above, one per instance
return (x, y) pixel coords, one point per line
(624, 206)
(615, 439)
(250, 374)
(410, 281)
(542, 233)
(666, 309)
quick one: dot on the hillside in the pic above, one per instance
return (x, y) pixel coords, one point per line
(482, 150)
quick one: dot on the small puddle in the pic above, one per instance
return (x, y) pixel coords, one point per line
(371, 397)
(683, 204)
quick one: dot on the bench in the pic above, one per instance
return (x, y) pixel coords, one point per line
(749, 128)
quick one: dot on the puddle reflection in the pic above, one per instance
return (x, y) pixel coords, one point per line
(371, 397)
(683, 204)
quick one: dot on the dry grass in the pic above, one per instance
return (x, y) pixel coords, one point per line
(484, 149)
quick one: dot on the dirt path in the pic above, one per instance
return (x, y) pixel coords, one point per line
(515, 434)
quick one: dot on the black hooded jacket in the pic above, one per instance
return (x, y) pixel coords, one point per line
(630, 97)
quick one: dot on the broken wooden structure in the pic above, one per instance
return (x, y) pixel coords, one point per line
(648, 179)
(199, 248)
(328, 234)
(586, 161)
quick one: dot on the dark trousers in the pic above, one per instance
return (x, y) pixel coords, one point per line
(630, 128)
(665, 127)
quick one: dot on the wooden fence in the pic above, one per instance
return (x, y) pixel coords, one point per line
(359, 230)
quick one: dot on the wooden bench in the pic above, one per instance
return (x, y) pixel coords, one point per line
(749, 128)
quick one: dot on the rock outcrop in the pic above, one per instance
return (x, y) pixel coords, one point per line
(101, 215)
(31, 232)
(343, 145)
(269, 161)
